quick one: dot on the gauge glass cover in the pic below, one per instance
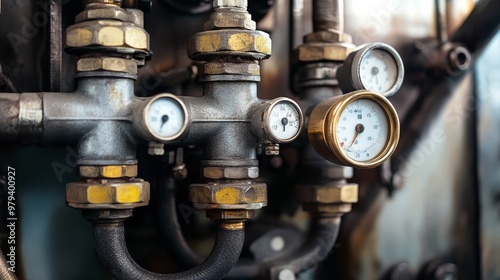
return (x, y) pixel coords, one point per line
(363, 130)
(284, 121)
(165, 117)
(378, 70)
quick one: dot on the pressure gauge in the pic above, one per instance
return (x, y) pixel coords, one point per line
(375, 67)
(282, 120)
(359, 129)
(163, 117)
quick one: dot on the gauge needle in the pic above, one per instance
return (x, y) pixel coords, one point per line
(359, 129)
(164, 120)
(375, 73)
(284, 121)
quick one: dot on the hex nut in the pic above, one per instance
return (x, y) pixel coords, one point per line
(106, 33)
(315, 52)
(216, 172)
(251, 44)
(114, 64)
(103, 13)
(221, 68)
(108, 172)
(328, 37)
(219, 214)
(347, 193)
(104, 194)
(230, 3)
(328, 208)
(230, 18)
(228, 194)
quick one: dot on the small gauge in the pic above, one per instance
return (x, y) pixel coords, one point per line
(359, 129)
(282, 120)
(375, 67)
(164, 117)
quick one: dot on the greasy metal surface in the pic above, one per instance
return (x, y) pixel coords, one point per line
(55, 46)
(488, 87)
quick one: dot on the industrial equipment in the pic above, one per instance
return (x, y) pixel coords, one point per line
(249, 139)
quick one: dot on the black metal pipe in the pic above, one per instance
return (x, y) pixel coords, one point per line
(112, 250)
(328, 15)
(316, 249)
(479, 27)
(170, 228)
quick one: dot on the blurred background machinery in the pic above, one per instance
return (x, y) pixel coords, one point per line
(231, 113)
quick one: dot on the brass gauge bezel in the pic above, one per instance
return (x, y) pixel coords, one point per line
(325, 118)
(145, 115)
(267, 116)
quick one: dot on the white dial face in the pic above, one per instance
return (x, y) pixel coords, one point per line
(165, 117)
(378, 71)
(284, 121)
(363, 130)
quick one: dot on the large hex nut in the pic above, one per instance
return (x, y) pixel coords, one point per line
(227, 68)
(347, 193)
(103, 13)
(316, 52)
(107, 194)
(108, 171)
(328, 37)
(230, 18)
(252, 44)
(114, 64)
(328, 208)
(221, 172)
(229, 194)
(106, 33)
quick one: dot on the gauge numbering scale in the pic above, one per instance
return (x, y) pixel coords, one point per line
(359, 129)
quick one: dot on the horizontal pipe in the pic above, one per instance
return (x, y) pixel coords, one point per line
(113, 252)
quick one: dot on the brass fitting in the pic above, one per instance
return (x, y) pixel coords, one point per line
(230, 18)
(105, 2)
(104, 194)
(243, 195)
(113, 64)
(106, 34)
(250, 44)
(346, 193)
(223, 172)
(108, 172)
(329, 198)
(331, 36)
(115, 13)
(223, 68)
(317, 52)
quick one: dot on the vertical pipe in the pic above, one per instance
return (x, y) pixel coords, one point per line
(328, 15)
(441, 25)
(55, 46)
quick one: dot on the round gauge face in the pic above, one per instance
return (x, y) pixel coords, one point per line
(284, 121)
(165, 117)
(378, 71)
(363, 130)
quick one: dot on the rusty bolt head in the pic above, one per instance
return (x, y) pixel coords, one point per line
(347, 193)
(230, 18)
(222, 68)
(229, 194)
(243, 43)
(114, 64)
(316, 52)
(327, 208)
(108, 172)
(219, 214)
(103, 13)
(328, 37)
(107, 33)
(220, 172)
(230, 3)
(105, 194)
